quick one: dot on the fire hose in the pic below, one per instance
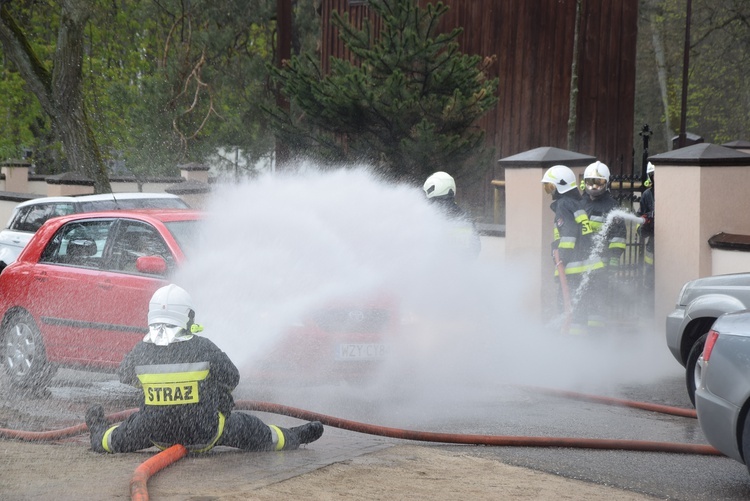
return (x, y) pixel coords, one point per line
(139, 480)
(567, 304)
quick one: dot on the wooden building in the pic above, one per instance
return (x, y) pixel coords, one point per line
(544, 48)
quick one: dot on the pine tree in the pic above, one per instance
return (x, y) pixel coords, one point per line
(407, 102)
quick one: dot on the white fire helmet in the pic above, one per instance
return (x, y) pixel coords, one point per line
(597, 170)
(170, 305)
(560, 177)
(439, 184)
(595, 179)
(649, 168)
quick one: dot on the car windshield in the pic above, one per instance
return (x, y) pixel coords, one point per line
(133, 203)
(185, 232)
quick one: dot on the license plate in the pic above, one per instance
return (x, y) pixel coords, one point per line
(365, 351)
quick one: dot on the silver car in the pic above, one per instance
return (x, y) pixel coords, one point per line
(699, 304)
(722, 398)
(29, 216)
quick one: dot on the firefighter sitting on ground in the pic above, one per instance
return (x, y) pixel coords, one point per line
(608, 246)
(572, 239)
(440, 190)
(187, 384)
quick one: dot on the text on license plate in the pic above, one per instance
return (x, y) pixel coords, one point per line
(362, 351)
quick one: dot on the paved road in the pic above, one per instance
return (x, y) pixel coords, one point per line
(490, 410)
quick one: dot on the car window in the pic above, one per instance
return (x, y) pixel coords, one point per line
(32, 217)
(63, 209)
(132, 203)
(78, 243)
(186, 233)
(135, 239)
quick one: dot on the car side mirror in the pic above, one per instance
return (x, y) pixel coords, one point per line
(153, 265)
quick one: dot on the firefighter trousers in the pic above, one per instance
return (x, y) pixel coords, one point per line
(142, 430)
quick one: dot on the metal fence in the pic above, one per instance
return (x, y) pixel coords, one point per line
(630, 292)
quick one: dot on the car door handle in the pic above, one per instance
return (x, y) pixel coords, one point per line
(106, 284)
(41, 276)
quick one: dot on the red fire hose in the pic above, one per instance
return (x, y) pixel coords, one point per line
(139, 480)
(152, 466)
(646, 406)
(496, 440)
(568, 305)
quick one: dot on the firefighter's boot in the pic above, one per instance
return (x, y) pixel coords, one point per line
(97, 425)
(308, 432)
(292, 438)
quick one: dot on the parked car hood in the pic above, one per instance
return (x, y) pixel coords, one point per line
(721, 283)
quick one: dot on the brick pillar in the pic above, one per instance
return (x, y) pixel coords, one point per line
(16, 175)
(194, 172)
(529, 220)
(701, 190)
(194, 193)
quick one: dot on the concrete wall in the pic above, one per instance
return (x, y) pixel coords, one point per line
(729, 261)
(702, 190)
(493, 249)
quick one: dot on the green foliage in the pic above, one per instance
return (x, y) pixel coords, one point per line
(407, 102)
(19, 113)
(718, 108)
(165, 82)
(180, 85)
(23, 124)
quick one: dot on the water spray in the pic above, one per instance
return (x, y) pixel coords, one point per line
(598, 247)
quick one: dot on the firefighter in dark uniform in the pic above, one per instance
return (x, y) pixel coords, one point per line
(440, 190)
(646, 211)
(610, 234)
(572, 238)
(187, 384)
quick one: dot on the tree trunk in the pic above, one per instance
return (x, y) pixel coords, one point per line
(60, 92)
(661, 69)
(573, 102)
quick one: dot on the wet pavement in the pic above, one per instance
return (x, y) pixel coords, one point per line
(489, 411)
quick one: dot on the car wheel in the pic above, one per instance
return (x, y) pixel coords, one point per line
(23, 355)
(692, 370)
(745, 442)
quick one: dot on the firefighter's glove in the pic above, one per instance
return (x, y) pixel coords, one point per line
(648, 221)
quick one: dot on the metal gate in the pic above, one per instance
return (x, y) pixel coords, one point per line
(630, 292)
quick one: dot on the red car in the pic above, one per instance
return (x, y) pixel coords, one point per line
(78, 297)
(78, 294)
(344, 340)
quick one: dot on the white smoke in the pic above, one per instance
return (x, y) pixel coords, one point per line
(278, 247)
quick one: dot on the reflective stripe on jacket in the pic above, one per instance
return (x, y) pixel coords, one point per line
(572, 235)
